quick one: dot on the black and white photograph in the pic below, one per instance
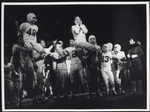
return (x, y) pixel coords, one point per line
(75, 56)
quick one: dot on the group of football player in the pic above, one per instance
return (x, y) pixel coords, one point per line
(83, 59)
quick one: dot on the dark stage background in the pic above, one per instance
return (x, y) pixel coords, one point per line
(109, 23)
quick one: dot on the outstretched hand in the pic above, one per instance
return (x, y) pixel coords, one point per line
(54, 42)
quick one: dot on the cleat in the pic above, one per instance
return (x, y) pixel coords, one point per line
(133, 93)
(98, 95)
(71, 98)
(114, 93)
(51, 96)
(12, 102)
(107, 94)
(18, 104)
(44, 99)
(88, 97)
(121, 93)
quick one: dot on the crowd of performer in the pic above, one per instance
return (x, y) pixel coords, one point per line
(55, 70)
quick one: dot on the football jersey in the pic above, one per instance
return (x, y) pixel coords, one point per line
(71, 51)
(61, 65)
(120, 55)
(29, 31)
(72, 55)
(106, 61)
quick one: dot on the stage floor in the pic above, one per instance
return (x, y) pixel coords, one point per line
(125, 101)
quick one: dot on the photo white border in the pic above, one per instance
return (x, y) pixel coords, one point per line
(74, 3)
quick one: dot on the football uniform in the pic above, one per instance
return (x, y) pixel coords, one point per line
(95, 73)
(9, 85)
(106, 69)
(26, 68)
(119, 55)
(71, 51)
(60, 67)
(106, 61)
(76, 68)
(39, 72)
(29, 33)
(81, 47)
(75, 65)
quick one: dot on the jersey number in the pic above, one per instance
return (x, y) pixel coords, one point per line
(105, 58)
(73, 54)
(31, 32)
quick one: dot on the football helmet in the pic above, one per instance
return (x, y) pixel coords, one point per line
(117, 47)
(72, 42)
(110, 46)
(31, 18)
(91, 37)
(105, 48)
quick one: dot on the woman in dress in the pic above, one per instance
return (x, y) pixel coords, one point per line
(134, 55)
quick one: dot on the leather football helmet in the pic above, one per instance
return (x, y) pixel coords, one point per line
(110, 45)
(117, 47)
(105, 48)
(31, 18)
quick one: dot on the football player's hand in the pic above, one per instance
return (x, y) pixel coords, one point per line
(44, 80)
(54, 43)
(128, 55)
(120, 62)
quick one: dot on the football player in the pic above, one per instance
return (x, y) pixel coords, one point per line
(40, 64)
(9, 85)
(110, 46)
(47, 75)
(76, 68)
(106, 69)
(60, 68)
(92, 40)
(28, 33)
(119, 58)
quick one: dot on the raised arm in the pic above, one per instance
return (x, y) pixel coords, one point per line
(83, 28)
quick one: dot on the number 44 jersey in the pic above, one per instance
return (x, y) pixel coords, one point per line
(106, 61)
(29, 31)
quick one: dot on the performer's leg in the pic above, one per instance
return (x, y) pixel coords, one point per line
(105, 78)
(20, 88)
(111, 80)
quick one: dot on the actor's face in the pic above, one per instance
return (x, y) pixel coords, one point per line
(43, 43)
(131, 42)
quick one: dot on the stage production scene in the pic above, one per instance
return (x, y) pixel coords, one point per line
(75, 56)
